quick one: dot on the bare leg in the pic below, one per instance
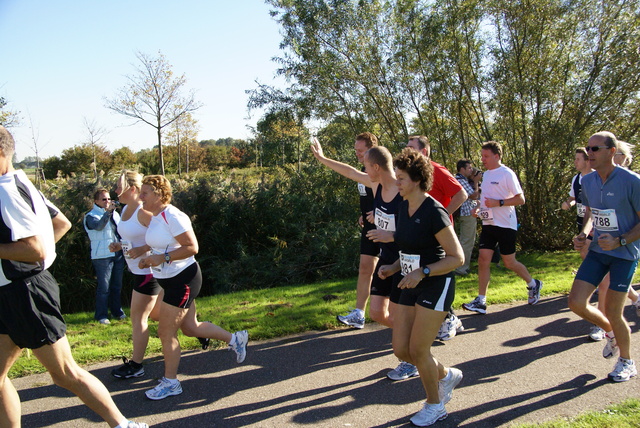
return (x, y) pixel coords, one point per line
(141, 307)
(423, 333)
(193, 328)
(365, 273)
(171, 318)
(579, 296)
(484, 270)
(10, 410)
(379, 310)
(613, 310)
(514, 265)
(64, 371)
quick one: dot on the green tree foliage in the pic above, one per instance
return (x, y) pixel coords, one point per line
(124, 158)
(540, 76)
(79, 160)
(154, 96)
(8, 118)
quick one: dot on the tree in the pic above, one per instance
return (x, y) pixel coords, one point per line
(95, 134)
(182, 132)
(124, 158)
(153, 96)
(8, 118)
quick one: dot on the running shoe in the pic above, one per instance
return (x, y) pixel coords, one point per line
(128, 370)
(450, 327)
(403, 371)
(623, 370)
(105, 321)
(534, 292)
(352, 319)
(596, 333)
(164, 389)
(448, 383)
(429, 415)
(132, 424)
(476, 306)
(239, 345)
(610, 348)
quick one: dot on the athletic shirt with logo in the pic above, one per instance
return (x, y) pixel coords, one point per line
(499, 183)
(416, 234)
(132, 235)
(386, 219)
(576, 192)
(160, 236)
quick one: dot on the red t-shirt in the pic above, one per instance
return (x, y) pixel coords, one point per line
(445, 185)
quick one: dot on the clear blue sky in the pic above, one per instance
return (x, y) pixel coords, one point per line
(61, 58)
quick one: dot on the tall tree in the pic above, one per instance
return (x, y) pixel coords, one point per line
(8, 118)
(95, 134)
(182, 132)
(154, 96)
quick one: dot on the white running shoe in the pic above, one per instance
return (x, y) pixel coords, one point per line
(623, 370)
(164, 389)
(132, 424)
(352, 319)
(610, 348)
(534, 292)
(429, 415)
(403, 371)
(448, 383)
(596, 333)
(239, 345)
(450, 327)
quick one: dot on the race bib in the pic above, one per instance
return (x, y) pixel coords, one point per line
(409, 263)
(362, 189)
(582, 210)
(486, 215)
(157, 269)
(385, 221)
(604, 220)
(126, 246)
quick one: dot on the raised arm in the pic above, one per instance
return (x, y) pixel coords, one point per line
(339, 167)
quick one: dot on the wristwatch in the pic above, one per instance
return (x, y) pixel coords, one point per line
(426, 271)
(167, 257)
(501, 202)
(623, 241)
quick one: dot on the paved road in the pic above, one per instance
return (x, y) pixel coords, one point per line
(521, 364)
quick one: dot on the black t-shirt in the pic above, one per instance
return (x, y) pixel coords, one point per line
(386, 214)
(417, 234)
(366, 198)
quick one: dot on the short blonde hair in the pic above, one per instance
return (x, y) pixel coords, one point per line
(130, 178)
(160, 186)
(624, 149)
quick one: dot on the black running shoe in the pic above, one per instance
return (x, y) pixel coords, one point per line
(128, 370)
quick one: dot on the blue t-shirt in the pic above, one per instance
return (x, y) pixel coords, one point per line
(614, 208)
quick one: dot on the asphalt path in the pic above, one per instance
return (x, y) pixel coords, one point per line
(521, 363)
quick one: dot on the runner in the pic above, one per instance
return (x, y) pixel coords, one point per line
(369, 250)
(429, 252)
(147, 293)
(173, 247)
(612, 198)
(501, 193)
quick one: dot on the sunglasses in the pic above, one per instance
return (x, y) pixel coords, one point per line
(595, 148)
(106, 199)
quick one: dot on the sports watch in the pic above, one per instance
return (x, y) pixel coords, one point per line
(426, 271)
(623, 241)
(167, 257)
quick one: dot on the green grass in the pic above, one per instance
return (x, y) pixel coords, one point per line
(623, 415)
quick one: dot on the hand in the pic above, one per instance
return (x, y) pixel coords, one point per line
(565, 206)
(316, 148)
(361, 221)
(491, 203)
(474, 212)
(371, 218)
(412, 279)
(147, 262)
(115, 246)
(385, 271)
(608, 242)
(379, 235)
(111, 206)
(136, 252)
(477, 177)
(579, 241)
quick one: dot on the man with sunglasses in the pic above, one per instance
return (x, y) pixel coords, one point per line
(101, 224)
(611, 196)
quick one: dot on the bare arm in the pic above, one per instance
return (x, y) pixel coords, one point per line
(28, 250)
(339, 167)
(189, 247)
(514, 201)
(61, 226)
(457, 200)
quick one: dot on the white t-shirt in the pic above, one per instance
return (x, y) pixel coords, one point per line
(132, 234)
(160, 236)
(499, 183)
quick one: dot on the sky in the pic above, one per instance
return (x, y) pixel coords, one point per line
(61, 59)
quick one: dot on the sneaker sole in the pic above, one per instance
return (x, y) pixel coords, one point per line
(347, 323)
(478, 310)
(617, 379)
(427, 425)
(128, 376)
(164, 396)
(403, 378)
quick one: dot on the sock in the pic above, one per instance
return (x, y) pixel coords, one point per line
(532, 283)
(123, 424)
(482, 298)
(360, 312)
(610, 334)
(233, 338)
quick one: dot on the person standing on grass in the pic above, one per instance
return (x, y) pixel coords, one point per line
(172, 261)
(611, 196)
(147, 293)
(501, 193)
(369, 250)
(101, 225)
(429, 252)
(30, 314)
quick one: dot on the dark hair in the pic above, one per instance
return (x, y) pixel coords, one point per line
(423, 142)
(494, 146)
(418, 168)
(462, 163)
(96, 195)
(609, 139)
(369, 139)
(583, 152)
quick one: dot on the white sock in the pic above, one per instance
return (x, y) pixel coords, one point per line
(610, 334)
(233, 337)
(482, 298)
(172, 381)
(532, 283)
(123, 424)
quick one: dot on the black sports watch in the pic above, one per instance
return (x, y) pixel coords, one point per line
(426, 271)
(501, 202)
(167, 257)
(623, 241)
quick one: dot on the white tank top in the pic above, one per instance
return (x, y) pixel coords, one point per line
(132, 233)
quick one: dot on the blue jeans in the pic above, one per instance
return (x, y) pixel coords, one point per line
(109, 273)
